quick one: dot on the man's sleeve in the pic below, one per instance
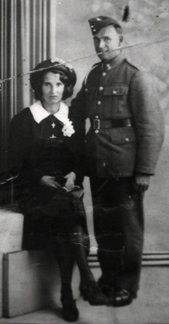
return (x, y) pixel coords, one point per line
(148, 121)
(78, 105)
(77, 113)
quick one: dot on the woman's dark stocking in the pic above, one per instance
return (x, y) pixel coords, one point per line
(80, 244)
(65, 261)
(89, 289)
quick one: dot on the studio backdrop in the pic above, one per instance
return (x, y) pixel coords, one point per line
(35, 30)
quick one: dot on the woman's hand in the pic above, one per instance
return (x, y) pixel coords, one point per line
(50, 182)
(70, 181)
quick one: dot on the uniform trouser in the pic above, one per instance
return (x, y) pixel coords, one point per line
(118, 226)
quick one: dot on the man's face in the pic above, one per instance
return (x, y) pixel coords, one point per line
(107, 43)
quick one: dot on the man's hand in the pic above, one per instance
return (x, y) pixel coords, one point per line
(70, 180)
(50, 182)
(141, 182)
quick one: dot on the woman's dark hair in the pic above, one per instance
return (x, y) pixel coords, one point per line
(65, 70)
(68, 90)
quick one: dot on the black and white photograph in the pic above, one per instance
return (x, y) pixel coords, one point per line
(84, 152)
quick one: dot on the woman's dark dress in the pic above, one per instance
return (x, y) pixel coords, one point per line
(48, 212)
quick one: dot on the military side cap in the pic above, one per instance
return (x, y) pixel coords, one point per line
(52, 65)
(97, 23)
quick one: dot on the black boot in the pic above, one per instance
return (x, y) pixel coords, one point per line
(123, 297)
(69, 311)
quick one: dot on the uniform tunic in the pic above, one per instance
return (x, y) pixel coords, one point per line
(118, 91)
(124, 139)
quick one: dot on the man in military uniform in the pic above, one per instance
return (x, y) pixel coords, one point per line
(121, 152)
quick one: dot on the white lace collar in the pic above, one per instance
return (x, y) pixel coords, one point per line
(39, 113)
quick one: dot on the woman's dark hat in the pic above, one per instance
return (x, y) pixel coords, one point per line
(54, 64)
(97, 23)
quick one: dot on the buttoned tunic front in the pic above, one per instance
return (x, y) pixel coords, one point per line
(119, 91)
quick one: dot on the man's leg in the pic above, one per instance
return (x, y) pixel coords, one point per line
(107, 232)
(132, 219)
(120, 229)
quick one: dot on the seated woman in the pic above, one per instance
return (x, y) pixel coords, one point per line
(44, 149)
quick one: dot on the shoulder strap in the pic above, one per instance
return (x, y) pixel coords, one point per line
(93, 67)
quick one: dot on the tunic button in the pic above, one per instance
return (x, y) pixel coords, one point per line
(127, 139)
(100, 88)
(104, 73)
(96, 131)
(86, 89)
(96, 117)
(99, 102)
(114, 91)
(104, 164)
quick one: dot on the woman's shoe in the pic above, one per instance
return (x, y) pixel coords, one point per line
(93, 294)
(106, 287)
(70, 312)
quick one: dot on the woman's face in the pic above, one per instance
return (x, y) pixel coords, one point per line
(52, 88)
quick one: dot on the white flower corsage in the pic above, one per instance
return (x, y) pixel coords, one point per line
(68, 129)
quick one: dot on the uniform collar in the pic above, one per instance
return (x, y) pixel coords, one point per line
(39, 113)
(108, 66)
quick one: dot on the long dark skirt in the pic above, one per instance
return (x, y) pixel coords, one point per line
(49, 215)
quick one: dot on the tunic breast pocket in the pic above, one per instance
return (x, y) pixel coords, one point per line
(115, 100)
